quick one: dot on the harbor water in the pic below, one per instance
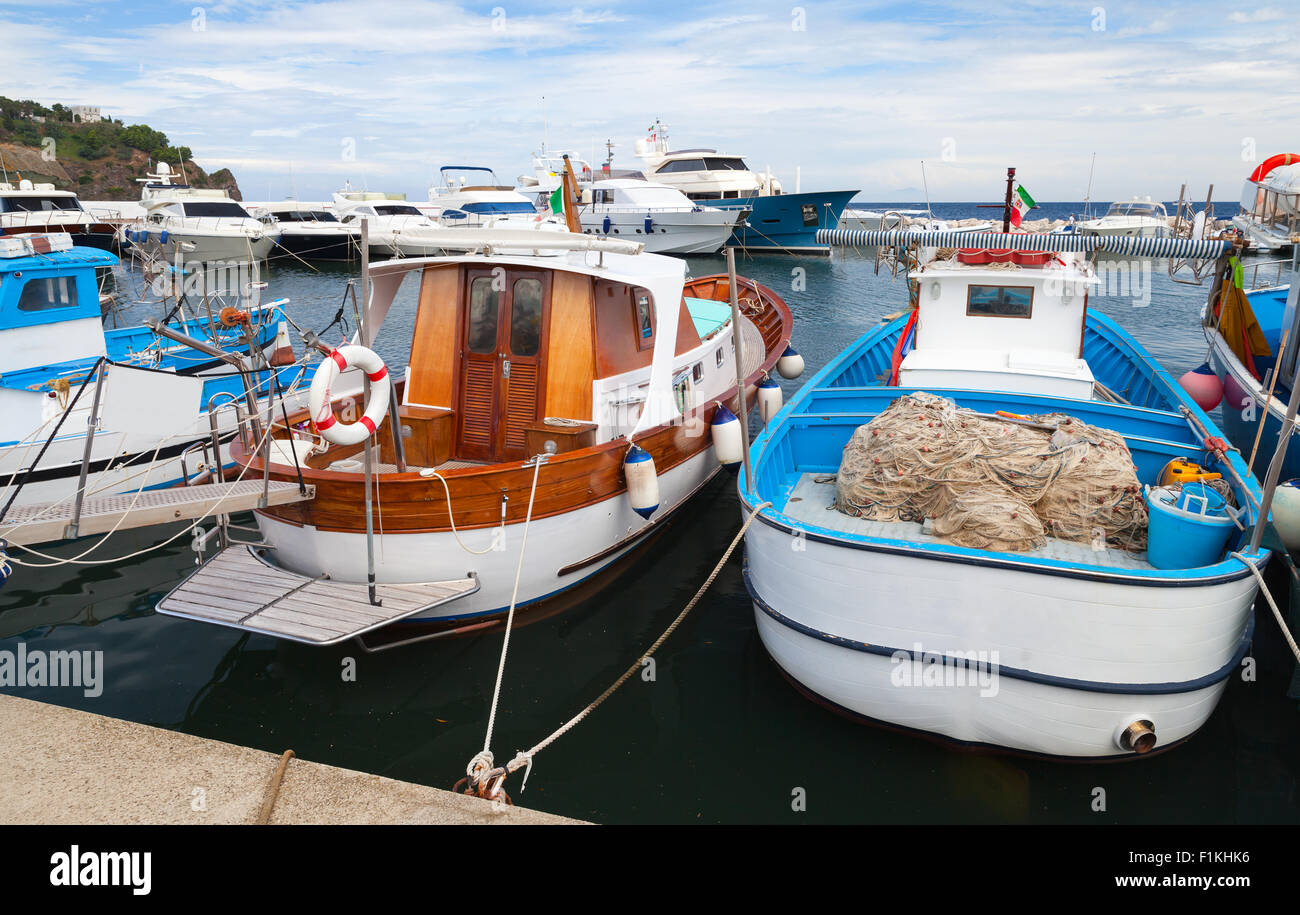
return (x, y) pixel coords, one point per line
(711, 733)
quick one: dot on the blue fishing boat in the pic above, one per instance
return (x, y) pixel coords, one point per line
(1256, 382)
(967, 526)
(145, 399)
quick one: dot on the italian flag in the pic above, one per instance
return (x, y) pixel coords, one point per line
(1021, 203)
(557, 199)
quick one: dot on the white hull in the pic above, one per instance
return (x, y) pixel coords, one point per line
(670, 233)
(208, 247)
(127, 435)
(554, 543)
(1145, 229)
(1073, 660)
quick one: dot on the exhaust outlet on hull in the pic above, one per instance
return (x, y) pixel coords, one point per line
(1138, 737)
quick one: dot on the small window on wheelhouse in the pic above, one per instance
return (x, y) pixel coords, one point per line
(484, 305)
(526, 317)
(47, 293)
(1000, 301)
(645, 319)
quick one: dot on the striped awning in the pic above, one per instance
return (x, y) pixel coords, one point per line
(1106, 244)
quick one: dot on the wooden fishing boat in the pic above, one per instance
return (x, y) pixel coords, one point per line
(1085, 640)
(536, 381)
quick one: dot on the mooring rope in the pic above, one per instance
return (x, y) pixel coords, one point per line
(483, 759)
(1277, 614)
(480, 777)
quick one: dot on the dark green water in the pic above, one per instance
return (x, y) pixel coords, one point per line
(718, 736)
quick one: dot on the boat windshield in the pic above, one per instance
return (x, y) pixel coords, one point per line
(1136, 209)
(305, 216)
(725, 164)
(38, 204)
(396, 209)
(499, 206)
(220, 209)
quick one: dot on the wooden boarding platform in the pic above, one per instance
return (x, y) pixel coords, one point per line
(27, 525)
(237, 588)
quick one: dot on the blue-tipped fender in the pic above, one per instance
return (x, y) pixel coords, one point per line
(642, 481)
(770, 398)
(727, 446)
(790, 365)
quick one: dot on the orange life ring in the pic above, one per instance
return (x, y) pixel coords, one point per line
(1272, 162)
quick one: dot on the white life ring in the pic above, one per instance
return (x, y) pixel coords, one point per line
(339, 360)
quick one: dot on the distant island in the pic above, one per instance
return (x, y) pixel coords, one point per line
(97, 157)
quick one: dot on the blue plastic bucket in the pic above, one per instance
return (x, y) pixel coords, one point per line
(1187, 529)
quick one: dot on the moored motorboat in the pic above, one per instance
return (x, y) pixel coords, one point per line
(1140, 217)
(309, 231)
(125, 404)
(558, 398)
(198, 225)
(40, 209)
(1270, 203)
(1082, 639)
(776, 221)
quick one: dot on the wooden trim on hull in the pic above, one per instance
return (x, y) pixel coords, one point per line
(411, 503)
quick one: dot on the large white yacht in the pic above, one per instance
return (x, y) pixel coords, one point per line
(39, 209)
(309, 231)
(390, 217)
(659, 216)
(778, 221)
(196, 224)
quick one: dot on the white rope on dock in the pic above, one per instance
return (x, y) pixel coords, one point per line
(484, 774)
(1277, 614)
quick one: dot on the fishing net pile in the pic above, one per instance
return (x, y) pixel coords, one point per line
(992, 483)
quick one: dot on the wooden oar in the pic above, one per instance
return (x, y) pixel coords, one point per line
(1281, 351)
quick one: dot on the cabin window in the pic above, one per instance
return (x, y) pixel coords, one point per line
(682, 392)
(215, 209)
(697, 372)
(526, 317)
(602, 196)
(645, 320)
(1000, 301)
(681, 165)
(725, 164)
(484, 304)
(719, 356)
(48, 293)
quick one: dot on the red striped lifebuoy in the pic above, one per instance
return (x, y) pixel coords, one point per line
(340, 360)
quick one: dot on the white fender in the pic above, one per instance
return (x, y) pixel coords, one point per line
(727, 445)
(769, 399)
(642, 481)
(790, 365)
(318, 401)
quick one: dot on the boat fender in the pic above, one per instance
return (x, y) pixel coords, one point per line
(162, 237)
(340, 360)
(5, 568)
(769, 398)
(605, 224)
(790, 365)
(1286, 513)
(649, 225)
(642, 481)
(1203, 386)
(283, 354)
(727, 445)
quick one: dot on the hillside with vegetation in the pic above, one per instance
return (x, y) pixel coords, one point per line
(99, 160)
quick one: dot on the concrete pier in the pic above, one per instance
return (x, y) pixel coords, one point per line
(69, 766)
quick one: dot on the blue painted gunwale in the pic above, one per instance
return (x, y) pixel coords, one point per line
(809, 432)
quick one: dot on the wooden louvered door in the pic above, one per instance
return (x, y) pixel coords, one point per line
(523, 346)
(501, 363)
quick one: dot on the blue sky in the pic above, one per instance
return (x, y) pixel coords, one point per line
(856, 94)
